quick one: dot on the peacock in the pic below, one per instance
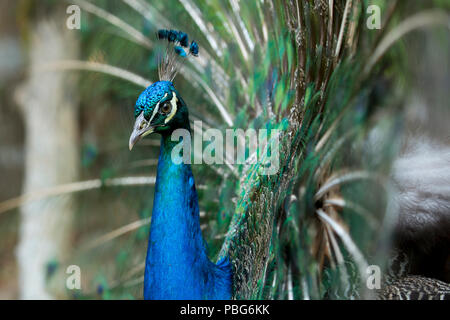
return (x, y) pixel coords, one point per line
(177, 265)
(310, 69)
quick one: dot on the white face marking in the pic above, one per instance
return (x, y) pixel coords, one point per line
(155, 111)
(173, 102)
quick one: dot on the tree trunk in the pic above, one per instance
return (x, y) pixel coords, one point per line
(49, 104)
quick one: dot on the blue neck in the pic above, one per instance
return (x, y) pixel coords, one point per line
(177, 266)
(176, 254)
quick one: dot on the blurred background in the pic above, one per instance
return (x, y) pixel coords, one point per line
(71, 193)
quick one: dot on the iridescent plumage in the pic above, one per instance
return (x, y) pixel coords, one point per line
(177, 265)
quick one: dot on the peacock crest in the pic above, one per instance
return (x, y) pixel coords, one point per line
(177, 51)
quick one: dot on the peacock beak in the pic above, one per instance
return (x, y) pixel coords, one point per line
(141, 129)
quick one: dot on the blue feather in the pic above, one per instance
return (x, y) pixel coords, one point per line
(173, 35)
(183, 39)
(163, 34)
(180, 51)
(194, 48)
(177, 266)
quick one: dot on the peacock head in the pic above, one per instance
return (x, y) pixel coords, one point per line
(160, 108)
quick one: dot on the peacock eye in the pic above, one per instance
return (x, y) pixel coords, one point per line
(166, 108)
(142, 125)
